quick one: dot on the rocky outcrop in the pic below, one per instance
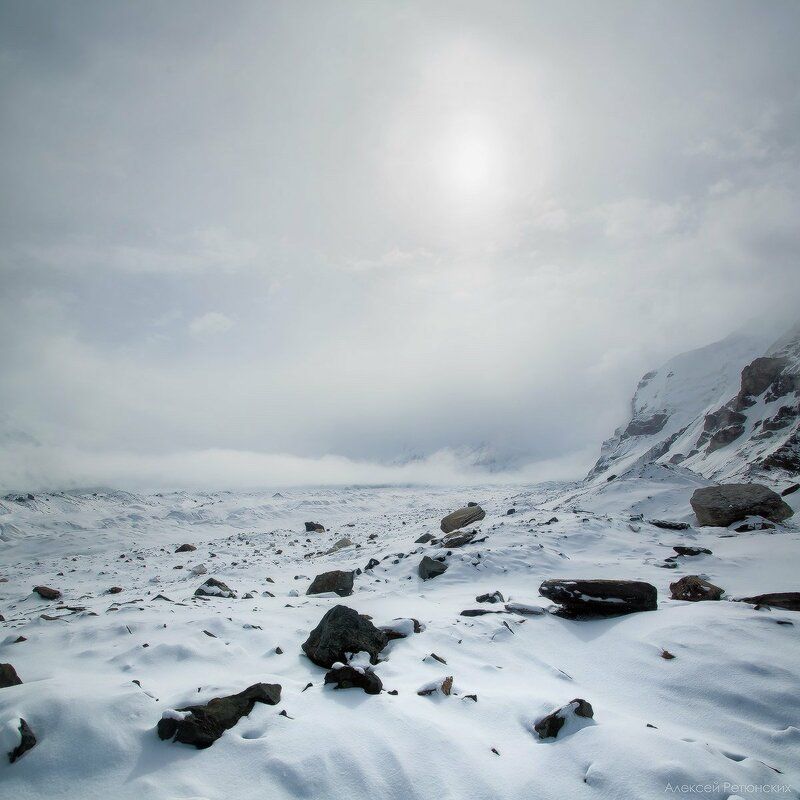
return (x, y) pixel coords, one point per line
(464, 516)
(647, 426)
(600, 598)
(202, 725)
(336, 581)
(340, 632)
(549, 727)
(723, 505)
(694, 588)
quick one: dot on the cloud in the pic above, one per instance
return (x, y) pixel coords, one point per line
(210, 324)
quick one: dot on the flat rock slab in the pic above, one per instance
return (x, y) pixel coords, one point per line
(342, 631)
(336, 580)
(731, 502)
(202, 725)
(790, 601)
(464, 516)
(600, 598)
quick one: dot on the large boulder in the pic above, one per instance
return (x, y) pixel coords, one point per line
(429, 568)
(203, 725)
(8, 676)
(790, 601)
(695, 588)
(600, 598)
(464, 516)
(342, 631)
(334, 581)
(728, 503)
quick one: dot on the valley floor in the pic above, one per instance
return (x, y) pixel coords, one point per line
(720, 719)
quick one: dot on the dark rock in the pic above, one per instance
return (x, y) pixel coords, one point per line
(204, 724)
(786, 457)
(549, 726)
(341, 631)
(669, 525)
(757, 377)
(430, 568)
(790, 601)
(46, 593)
(314, 527)
(647, 426)
(479, 612)
(695, 588)
(790, 489)
(494, 597)
(214, 588)
(458, 538)
(114, 590)
(464, 516)
(346, 677)
(724, 437)
(373, 562)
(784, 417)
(8, 676)
(511, 511)
(682, 550)
(728, 503)
(600, 598)
(336, 580)
(186, 548)
(425, 538)
(762, 525)
(666, 655)
(27, 741)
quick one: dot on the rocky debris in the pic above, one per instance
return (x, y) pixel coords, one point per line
(464, 516)
(345, 542)
(430, 568)
(46, 593)
(403, 627)
(347, 677)
(549, 727)
(336, 580)
(600, 598)
(314, 527)
(511, 511)
(27, 741)
(755, 525)
(789, 601)
(341, 631)
(214, 588)
(493, 597)
(425, 538)
(373, 562)
(695, 588)
(683, 550)
(186, 548)
(8, 676)
(728, 503)
(202, 725)
(442, 686)
(790, 489)
(458, 539)
(669, 525)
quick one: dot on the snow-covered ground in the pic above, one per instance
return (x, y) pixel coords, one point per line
(725, 711)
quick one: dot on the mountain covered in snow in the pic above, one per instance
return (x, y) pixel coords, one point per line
(728, 410)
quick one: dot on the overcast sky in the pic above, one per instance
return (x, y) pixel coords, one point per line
(255, 235)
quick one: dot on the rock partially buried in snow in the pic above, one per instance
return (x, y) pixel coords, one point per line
(493, 597)
(442, 686)
(214, 588)
(202, 725)
(600, 598)
(425, 538)
(17, 738)
(429, 568)
(46, 593)
(694, 588)
(186, 548)
(314, 527)
(683, 550)
(347, 677)
(341, 631)
(401, 628)
(458, 539)
(669, 525)
(8, 676)
(336, 581)
(789, 601)
(464, 516)
(339, 545)
(723, 505)
(549, 727)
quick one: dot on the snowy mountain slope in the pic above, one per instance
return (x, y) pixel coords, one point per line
(724, 411)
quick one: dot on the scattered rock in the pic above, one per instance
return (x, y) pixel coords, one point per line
(203, 725)
(549, 726)
(600, 598)
(347, 677)
(682, 550)
(790, 489)
(479, 612)
(345, 542)
(464, 516)
(728, 503)
(214, 588)
(8, 676)
(373, 562)
(314, 527)
(425, 538)
(403, 627)
(695, 588)
(114, 590)
(666, 655)
(186, 548)
(458, 539)
(341, 631)
(430, 568)
(669, 525)
(790, 601)
(336, 580)
(494, 597)
(511, 511)
(756, 525)
(443, 686)
(27, 741)
(46, 593)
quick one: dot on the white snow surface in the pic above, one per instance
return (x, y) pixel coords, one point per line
(726, 709)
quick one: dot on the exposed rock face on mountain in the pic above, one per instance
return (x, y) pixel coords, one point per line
(731, 409)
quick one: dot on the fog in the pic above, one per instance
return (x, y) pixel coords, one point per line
(308, 242)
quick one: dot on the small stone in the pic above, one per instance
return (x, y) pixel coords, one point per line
(549, 726)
